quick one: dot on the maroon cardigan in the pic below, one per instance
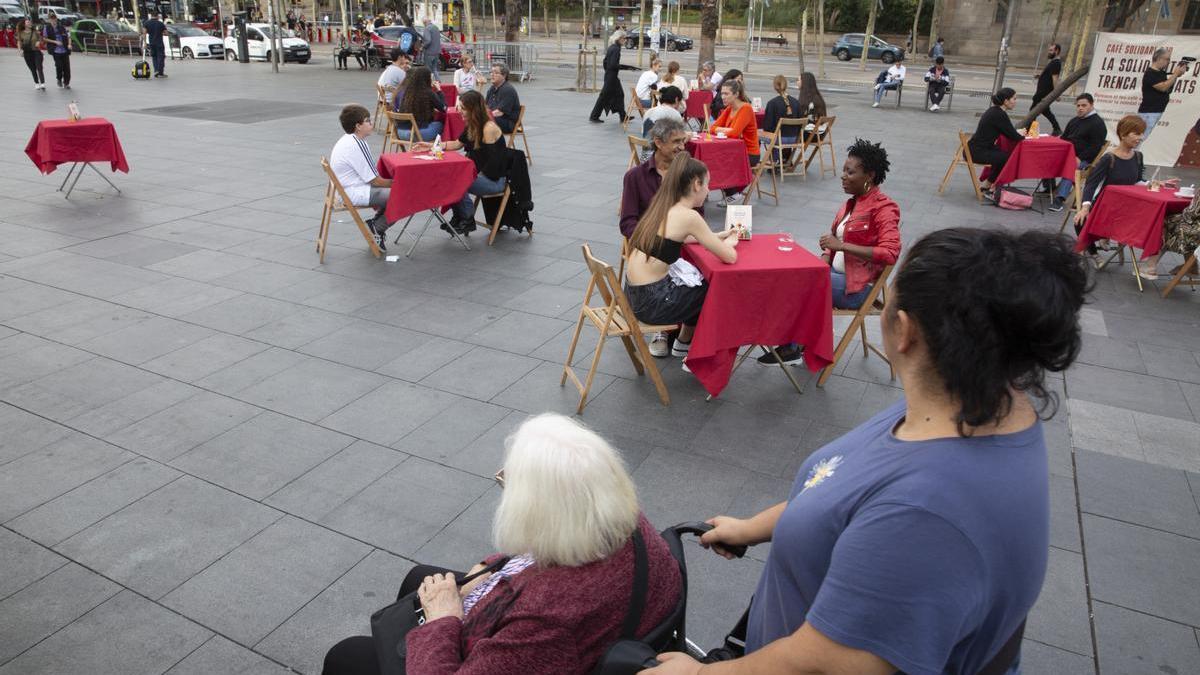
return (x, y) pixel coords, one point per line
(556, 620)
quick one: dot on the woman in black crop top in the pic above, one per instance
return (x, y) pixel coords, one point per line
(655, 296)
(484, 144)
(992, 125)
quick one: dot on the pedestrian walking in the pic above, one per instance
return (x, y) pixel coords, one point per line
(1047, 80)
(1156, 88)
(938, 48)
(55, 34)
(31, 48)
(153, 28)
(432, 37)
(612, 98)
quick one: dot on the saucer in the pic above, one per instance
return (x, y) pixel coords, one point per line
(1185, 196)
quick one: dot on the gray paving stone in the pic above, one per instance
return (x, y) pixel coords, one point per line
(262, 454)
(251, 370)
(47, 605)
(1128, 390)
(219, 655)
(23, 562)
(54, 469)
(480, 373)
(466, 540)
(1064, 514)
(1146, 570)
(1139, 644)
(203, 265)
(390, 412)
(449, 318)
(87, 504)
(1137, 492)
(518, 332)
(282, 567)
(335, 480)
(1110, 353)
(25, 433)
(71, 392)
(674, 488)
(181, 427)
(452, 430)
(1175, 364)
(537, 391)
(1106, 429)
(106, 419)
(312, 389)
(419, 362)
(165, 538)
(1039, 658)
(176, 297)
(240, 314)
(364, 344)
(205, 357)
(1060, 616)
(27, 357)
(1170, 442)
(298, 328)
(752, 438)
(126, 634)
(337, 612)
(79, 320)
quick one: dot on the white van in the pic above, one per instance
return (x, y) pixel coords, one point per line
(65, 16)
(258, 40)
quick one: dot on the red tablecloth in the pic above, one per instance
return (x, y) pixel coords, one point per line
(450, 93)
(1041, 157)
(1131, 215)
(697, 104)
(422, 184)
(453, 125)
(768, 297)
(92, 139)
(726, 159)
(759, 115)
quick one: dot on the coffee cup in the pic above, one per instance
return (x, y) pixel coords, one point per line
(721, 134)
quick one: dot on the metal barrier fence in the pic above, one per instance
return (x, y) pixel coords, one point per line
(107, 46)
(521, 57)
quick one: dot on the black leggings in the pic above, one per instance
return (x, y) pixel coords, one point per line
(33, 59)
(356, 655)
(62, 68)
(341, 57)
(993, 156)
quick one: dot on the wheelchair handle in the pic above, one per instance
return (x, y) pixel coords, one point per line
(699, 528)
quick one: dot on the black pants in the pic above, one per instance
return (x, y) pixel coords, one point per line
(356, 655)
(33, 59)
(1037, 98)
(993, 156)
(62, 68)
(733, 191)
(937, 91)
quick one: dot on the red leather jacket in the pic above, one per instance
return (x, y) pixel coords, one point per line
(875, 222)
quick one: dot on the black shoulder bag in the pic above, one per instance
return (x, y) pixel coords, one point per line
(630, 655)
(390, 625)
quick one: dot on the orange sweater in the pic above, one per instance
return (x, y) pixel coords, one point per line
(743, 124)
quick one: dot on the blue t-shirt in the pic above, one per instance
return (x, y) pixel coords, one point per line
(928, 554)
(155, 30)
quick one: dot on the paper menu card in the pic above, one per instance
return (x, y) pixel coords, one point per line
(757, 103)
(740, 215)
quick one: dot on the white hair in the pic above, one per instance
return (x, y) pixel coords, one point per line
(617, 35)
(568, 499)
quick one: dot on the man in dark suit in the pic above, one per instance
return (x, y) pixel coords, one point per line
(1087, 132)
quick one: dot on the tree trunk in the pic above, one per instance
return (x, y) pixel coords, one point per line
(558, 27)
(1090, 20)
(1063, 85)
(933, 21)
(468, 25)
(545, 20)
(1062, 6)
(916, 40)
(1122, 18)
(708, 31)
(720, 19)
(821, 38)
(512, 20)
(862, 64)
(803, 28)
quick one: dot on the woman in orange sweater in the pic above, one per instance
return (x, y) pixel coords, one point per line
(737, 121)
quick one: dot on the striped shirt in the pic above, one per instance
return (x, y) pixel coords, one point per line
(352, 164)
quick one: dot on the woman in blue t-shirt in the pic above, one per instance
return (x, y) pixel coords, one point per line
(918, 542)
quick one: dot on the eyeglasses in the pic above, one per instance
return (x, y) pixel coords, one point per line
(499, 478)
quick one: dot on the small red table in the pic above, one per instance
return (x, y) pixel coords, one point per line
(698, 103)
(1041, 157)
(453, 124)
(450, 93)
(92, 139)
(432, 185)
(1131, 215)
(759, 116)
(726, 159)
(768, 297)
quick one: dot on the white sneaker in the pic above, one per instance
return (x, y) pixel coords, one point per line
(680, 348)
(934, 108)
(658, 345)
(684, 367)
(731, 199)
(875, 104)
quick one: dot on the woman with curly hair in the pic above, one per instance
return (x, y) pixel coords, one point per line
(418, 97)
(864, 237)
(918, 542)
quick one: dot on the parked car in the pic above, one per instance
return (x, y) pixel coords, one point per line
(386, 37)
(11, 15)
(258, 40)
(667, 40)
(184, 41)
(65, 16)
(104, 35)
(850, 45)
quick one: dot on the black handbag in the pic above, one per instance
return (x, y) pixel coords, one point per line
(390, 625)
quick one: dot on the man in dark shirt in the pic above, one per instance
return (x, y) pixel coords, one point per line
(1047, 80)
(1156, 88)
(153, 29)
(1087, 132)
(502, 99)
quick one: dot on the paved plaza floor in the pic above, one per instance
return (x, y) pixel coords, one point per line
(219, 456)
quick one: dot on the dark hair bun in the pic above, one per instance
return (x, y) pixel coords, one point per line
(1002, 95)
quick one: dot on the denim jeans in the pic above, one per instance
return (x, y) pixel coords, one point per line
(428, 132)
(482, 186)
(1064, 187)
(1150, 119)
(884, 86)
(842, 300)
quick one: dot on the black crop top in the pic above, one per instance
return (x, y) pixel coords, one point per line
(666, 250)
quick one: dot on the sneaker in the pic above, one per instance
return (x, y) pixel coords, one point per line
(658, 345)
(791, 355)
(934, 108)
(42, 86)
(875, 104)
(680, 348)
(1057, 205)
(683, 366)
(731, 199)
(595, 120)
(379, 235)
(66, 86)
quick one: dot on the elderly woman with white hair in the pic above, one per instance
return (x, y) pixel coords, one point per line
(567, 523)
(612, 98)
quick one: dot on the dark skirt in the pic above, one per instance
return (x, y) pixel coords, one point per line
(665, 302)
(612, 97)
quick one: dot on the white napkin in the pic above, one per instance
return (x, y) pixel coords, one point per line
(684, 273)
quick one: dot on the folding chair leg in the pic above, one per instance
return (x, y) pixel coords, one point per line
(591, 375)
(950, 172)
(525, 141)
(1189, 267)
(837, 353)
(632, 350)
(574, 340)
(652, 368)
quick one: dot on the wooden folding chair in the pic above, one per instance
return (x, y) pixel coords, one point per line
(336, 200)
(635, 105)
(519, 128)
(382, 96)
(1081, 177)
(963, 156)
(872, 306)
(626, 249)
(791, 128)
(613, 319)
(495, 224)
(1189, 269)
(637, 145)
(766, 162)
(392, 142)
(820, 137)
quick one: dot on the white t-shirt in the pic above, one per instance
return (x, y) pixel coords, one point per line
(716, 81)
(352, 164)
(663, 111)
(839, 257)
(392, 76)
(896, 72)
(466, 80)
(643, 84)
(680, 82)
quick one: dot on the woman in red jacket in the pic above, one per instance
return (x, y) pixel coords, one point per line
(865, 235)
(567, 514)
(737, 121)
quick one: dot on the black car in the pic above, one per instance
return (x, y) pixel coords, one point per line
(666, 40)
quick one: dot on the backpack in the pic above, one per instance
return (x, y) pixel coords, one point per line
(406, 42)
(141, 70)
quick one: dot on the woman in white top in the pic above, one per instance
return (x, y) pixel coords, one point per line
(674, 79)
(648, 82)
(467, 78)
